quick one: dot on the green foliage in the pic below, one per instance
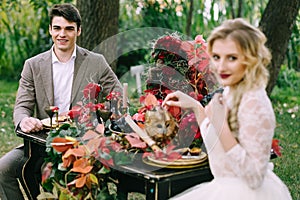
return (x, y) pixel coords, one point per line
(24, 27)
(23, 33)
(8, 138)
(287, 86)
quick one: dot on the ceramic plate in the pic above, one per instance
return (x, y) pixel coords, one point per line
(61, 120)
(184, 161)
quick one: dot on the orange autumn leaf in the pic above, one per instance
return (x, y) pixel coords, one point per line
(80, 182)
(82, 166)
(68, 161)
(141, 125)
(150, 100)
(70, 156)
(78, 152)
(61, 144)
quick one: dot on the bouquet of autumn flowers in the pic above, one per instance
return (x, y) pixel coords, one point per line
(180, 65)
(80, 156)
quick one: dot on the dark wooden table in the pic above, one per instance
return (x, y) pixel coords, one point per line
(34, 154)
(156, 183)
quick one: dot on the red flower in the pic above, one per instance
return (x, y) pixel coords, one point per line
(55, 108)
(100, 106)
(276, 148)
(90, 106)
(91, 90)
(113, 95)
(139, 117)
(75, 112)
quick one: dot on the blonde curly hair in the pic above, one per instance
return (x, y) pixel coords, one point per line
(251, 41)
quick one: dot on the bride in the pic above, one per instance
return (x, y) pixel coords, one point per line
(238, 125)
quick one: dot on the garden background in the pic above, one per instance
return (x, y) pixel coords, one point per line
(24, 33)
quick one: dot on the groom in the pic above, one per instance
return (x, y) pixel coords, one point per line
(56, 77)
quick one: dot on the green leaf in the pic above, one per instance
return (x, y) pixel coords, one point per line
(104, 170)
(94, 179)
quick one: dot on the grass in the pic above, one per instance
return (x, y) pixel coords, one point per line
(8, 138)
(286, 103)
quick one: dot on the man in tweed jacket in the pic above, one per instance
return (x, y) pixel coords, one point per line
(56, 77)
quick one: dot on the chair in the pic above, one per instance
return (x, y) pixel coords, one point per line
(137, 71)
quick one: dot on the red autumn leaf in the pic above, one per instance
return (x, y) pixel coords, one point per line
(89, 135)
(142, 99)
(93, 145)
(102, 143)
(115, 146)
(46, 172)
(107, 163)
(147, 154)
(159, 154)
(139, 117)
(175, 111)
(173, 156)
(135, 141)
(100, 128)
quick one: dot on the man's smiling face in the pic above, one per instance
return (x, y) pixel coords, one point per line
(64, 34)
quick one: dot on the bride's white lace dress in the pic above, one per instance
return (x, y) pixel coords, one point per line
(244, 172)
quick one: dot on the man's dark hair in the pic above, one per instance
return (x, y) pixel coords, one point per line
(67, 11)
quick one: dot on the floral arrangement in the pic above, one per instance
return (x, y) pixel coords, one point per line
(80, 155)
(178, 65)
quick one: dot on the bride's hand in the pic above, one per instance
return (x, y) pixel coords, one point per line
(182, 100)
(217, 111)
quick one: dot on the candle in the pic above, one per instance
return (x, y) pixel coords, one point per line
(125, 87)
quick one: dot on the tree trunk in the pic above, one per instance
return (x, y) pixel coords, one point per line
(99, 21)
(277, 22)
(189, 18)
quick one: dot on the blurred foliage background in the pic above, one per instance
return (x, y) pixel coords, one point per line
(24, 33)
(24, 27)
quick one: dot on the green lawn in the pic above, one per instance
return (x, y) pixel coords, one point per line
(286, 103)
(8, 138)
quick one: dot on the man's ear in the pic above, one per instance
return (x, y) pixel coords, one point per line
(79, 31)
(50, 29)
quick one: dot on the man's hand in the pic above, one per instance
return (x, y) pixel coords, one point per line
(31, 124)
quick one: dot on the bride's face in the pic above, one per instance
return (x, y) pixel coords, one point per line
(228, 59)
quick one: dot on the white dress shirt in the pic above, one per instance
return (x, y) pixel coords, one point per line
(62, 81)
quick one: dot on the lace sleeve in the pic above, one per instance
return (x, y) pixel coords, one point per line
(256, 128)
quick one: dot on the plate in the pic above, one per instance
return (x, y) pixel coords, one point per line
(184, 162)
(61, 120)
